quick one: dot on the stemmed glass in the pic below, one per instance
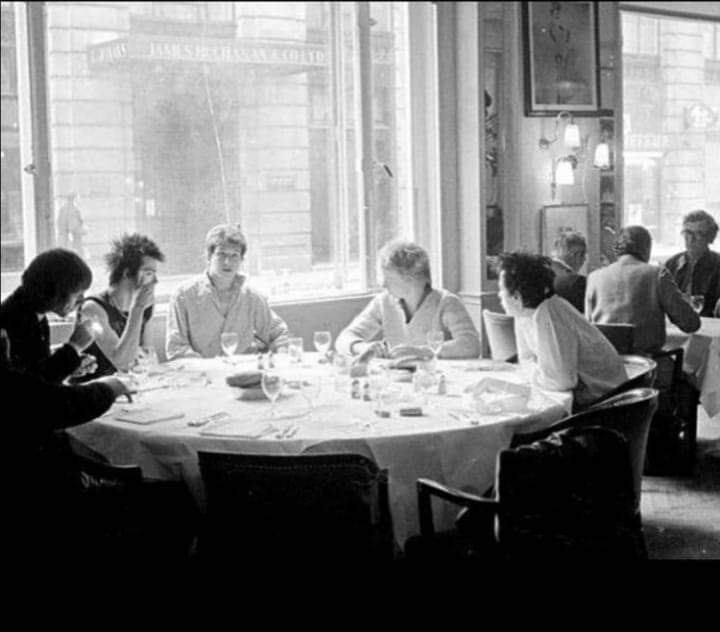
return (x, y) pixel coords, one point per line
(229, 343)
(435, 340)
(698, 302)
(272, 384)
(321, 340)
(310, 387)
(378, 379)
(424, 379)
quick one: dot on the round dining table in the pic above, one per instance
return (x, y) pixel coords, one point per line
(166, 425)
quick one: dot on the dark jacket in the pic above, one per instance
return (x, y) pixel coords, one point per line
(30, 340)
(705, 277)
(44, 497)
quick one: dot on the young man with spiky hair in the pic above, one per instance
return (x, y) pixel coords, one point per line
(126, 306)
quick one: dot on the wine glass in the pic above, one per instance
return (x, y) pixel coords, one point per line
(424, 379)
(321, 340)
(229, 343)
(698, 302)
(310, 387)
(378, 379)
(435, 340)
(272, 383)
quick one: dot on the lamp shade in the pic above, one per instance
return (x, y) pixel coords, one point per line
(572, 135)
(564, 172)
(602, 156)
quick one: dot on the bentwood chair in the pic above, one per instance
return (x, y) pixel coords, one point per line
(500, 330)
(621, 335)
(673, 434)
(567, 496)
(643, 368)
(307, 509)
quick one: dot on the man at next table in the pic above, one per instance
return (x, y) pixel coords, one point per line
(632, 291)
(569, 254)
(697, 270)
(219, 300)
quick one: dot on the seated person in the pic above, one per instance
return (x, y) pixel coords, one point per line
(564, 350)
(44, 493)
(219, 300)
(697, 270)
(634, 292)
(408, 309)
(126, 306)
(55, 281)
(569, 254)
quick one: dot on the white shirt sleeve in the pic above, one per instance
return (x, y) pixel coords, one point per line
(556, 349)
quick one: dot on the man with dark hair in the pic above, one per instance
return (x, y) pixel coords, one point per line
(564, 351)
(697, 270)
(126, 306)
(55, 281)
(569, 254)
(632, 291)
(220, 300)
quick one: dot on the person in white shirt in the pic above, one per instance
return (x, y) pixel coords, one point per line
(565, 352)
(219, 300)
(407, 310)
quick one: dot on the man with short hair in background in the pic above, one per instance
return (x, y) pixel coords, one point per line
(568, 256)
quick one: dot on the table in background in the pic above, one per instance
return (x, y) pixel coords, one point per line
(441, 444)
(701, 360)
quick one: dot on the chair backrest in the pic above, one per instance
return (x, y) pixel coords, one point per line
(642, 371)
(628, 413)
(500, 330)
(622, 336)
(308, 508)
(110, 505)
(569, 494)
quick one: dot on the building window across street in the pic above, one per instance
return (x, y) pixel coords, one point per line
(167, 118)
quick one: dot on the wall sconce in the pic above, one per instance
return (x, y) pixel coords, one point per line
(563, 169)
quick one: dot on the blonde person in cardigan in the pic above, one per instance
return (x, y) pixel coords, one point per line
(397, 321)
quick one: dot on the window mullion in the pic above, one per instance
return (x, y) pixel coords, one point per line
(369, 246)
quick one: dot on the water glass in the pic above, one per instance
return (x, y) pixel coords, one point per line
(229, 343)
(295, 350)
(322, 340)
(424, 380)
(310, 387)
(272, 384)
(378, 380)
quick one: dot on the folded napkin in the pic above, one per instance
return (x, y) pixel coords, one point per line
(245, 379)
(144, 416)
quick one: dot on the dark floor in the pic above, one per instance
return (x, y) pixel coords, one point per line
(681, 515)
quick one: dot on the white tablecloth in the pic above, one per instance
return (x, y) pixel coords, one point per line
(701, 361)
(439, 445)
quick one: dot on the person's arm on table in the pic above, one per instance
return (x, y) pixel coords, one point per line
(465, 341)
(676, 307)
(356, 338)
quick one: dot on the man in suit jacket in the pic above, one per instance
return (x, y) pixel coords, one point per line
(569, 254)
(634, 292)
(697, 270)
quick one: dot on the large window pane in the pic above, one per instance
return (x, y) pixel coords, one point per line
(671, 94)
(15, 142)
(168, 118)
